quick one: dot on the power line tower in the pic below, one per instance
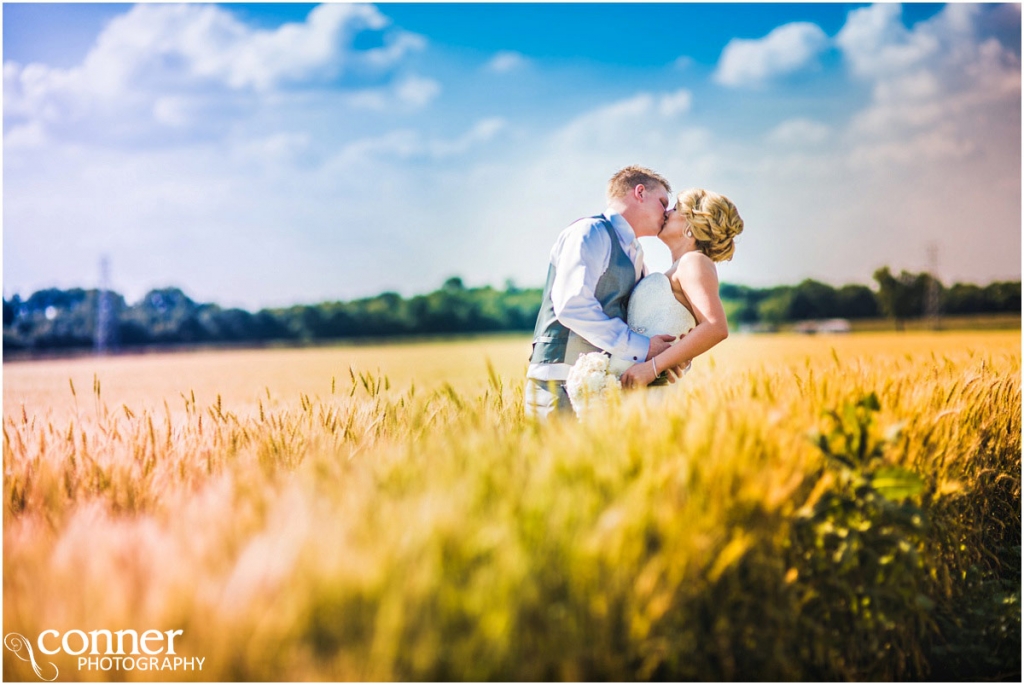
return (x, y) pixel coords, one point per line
(931, 298)
(106, 320)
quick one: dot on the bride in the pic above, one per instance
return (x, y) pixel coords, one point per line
(684, 300)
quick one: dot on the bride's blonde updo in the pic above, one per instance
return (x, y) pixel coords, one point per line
(714, 220)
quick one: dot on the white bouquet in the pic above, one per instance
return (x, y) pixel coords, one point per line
(591, 383)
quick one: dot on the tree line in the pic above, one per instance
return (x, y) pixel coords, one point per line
(899, 297)
(54, 319)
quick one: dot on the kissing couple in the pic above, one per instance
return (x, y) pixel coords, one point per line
(599, 298)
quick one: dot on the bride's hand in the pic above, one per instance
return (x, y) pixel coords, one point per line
(638, 376)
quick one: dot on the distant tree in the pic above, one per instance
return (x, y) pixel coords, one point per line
(774, 309)
(228, 325)
(521, 309)
(311, 322)
(745, 298)
(811, 300)
(967, 298)
(13, 342)
(168, 316)
(133, 333)
(269, 326)
(447, 310)
(901, 297)
(453, 283)
(1002, 296)
(963, 298)
(385, 314)
(40, 300)
(856, 302)
(729, 291)
(54, 318)
(337, 322)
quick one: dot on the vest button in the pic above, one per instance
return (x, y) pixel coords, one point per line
(634, 358)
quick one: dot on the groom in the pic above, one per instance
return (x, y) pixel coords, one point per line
(594, 265)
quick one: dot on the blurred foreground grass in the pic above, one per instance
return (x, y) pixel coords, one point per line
(798, 508)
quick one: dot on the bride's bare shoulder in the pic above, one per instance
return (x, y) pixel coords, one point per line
(693, 264)
(695, 257)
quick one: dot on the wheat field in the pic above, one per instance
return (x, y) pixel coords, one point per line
(796, 508)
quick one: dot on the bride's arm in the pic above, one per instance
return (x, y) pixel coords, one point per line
(697, 277)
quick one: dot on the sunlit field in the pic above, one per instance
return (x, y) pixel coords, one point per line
(799, 507)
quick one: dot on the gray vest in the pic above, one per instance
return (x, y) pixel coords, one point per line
(553, 343)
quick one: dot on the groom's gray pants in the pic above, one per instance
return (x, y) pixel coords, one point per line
(544, 397)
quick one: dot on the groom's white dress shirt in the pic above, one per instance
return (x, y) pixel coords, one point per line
(581, 256)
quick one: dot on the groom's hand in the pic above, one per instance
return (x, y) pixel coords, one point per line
(659, 344)
(676, 373)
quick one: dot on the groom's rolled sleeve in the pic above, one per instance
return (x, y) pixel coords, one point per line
(580, 261)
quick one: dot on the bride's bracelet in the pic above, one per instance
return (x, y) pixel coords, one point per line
(655, 367)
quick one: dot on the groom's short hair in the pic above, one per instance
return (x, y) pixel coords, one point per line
(624, 180)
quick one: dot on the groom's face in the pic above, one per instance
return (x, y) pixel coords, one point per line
(656, 205)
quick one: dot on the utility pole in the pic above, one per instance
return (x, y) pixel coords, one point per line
(931, 299)
(106, 331)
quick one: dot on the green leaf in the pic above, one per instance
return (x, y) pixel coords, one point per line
(840, 458)
(924, 602)
(870, 402)
(896, 483)
(823, 444)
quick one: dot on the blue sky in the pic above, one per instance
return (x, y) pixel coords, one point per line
(261, 155)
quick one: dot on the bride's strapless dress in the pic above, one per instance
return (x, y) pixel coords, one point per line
(654, 310)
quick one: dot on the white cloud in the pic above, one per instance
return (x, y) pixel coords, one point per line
(481, 132)
(942, 120)
(915, 86)
(31, 135)
(410, 93)
(417, 91)
(292, 53)
(939, 144)
(207, 42)
(397, 46)
(147, 63)
(173, 111)
(875, 43)
(279, 150)
(800, 132)
(378, 99)
(937, 88)
(946, 47)
(609, 124)
(674, 104)
(406, 144)
(631, 119)
(401, 144)
(785, 50)
(507, 61)
(683, 62)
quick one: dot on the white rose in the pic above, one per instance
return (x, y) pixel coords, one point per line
(591, 382)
